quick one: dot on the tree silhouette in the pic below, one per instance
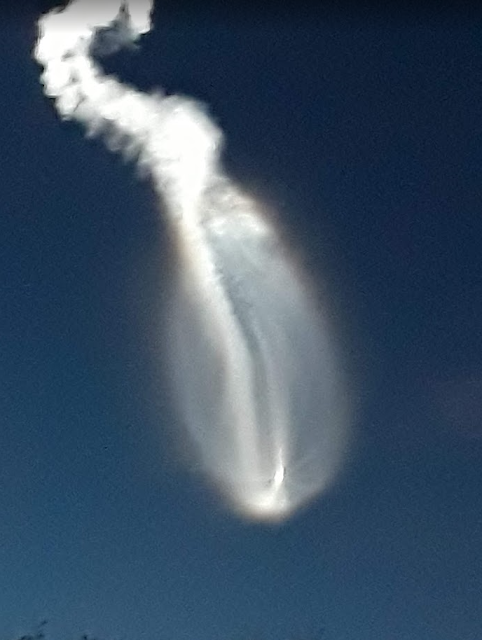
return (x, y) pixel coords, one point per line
(39, 633)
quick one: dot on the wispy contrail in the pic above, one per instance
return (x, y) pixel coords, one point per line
(253, 360)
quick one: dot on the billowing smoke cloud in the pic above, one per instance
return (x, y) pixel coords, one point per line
(117, 35)
(253, 360)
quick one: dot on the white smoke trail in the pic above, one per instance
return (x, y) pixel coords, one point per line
(253, 360)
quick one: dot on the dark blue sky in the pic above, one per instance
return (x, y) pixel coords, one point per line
(365, 132)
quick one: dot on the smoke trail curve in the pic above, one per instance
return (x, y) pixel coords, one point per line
(253, 360)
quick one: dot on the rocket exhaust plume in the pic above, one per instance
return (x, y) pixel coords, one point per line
(253, 360)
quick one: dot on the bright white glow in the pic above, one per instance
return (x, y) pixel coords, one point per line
(252, 357)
